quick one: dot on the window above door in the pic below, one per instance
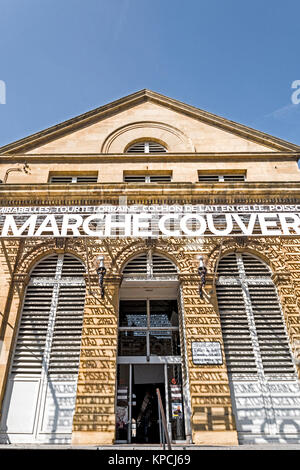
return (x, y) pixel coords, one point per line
(149, 265)
(146, 147)
(148, 328)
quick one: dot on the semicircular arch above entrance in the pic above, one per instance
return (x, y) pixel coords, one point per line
(173, 139)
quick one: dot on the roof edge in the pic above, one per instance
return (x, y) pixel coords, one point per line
(70, 125)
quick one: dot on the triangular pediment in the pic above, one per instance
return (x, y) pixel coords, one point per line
(105, 130)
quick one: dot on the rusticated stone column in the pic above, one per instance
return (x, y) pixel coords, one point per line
(11, 297)
(286, 287)
(9, 325)
(211, 410)
(94, 419)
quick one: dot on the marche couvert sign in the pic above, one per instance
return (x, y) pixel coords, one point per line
(155, 220)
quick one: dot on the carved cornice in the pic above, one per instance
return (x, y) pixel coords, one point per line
(186, 278)
(210, 279)
(20, 278)
(140, 158)
(167, 193)
(115, 279)
(194, 278)
(112, 279)
(281, 278)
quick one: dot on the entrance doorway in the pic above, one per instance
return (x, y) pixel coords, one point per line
(145, 417)
(149, 353)
(137, 402)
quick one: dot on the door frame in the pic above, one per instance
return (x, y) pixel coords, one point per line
(153, 360)
(164, 288)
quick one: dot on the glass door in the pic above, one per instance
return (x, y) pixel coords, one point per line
(146, 379)
(137, 417)
(149, 358)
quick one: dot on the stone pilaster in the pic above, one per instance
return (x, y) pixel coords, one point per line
(212, 417)
(94, 418)
(9, 324)
(286, 286)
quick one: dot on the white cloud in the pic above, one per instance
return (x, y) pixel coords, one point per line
(284, 112)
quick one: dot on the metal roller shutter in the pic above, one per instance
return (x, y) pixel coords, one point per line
(41, 390)
(29, 352)
(262, 376)
(66, 340)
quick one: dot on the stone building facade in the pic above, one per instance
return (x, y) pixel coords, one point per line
(81, 360)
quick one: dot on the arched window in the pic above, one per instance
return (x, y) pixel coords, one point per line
(149, 265)
(261, 371)
(247, 298)
(46, 355)
(146, 147)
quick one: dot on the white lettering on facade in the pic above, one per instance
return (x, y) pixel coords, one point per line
(183, 221)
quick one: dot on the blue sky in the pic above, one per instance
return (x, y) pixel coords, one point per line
(234, 58)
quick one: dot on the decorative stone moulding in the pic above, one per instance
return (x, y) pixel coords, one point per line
(21, 278)
(168, 136)
(281, 277)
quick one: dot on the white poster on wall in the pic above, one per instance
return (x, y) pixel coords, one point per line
(207, 353)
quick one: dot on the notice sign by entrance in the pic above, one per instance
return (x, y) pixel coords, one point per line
(207, 353)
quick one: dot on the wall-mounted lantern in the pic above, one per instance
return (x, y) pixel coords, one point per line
(101, 271)
(202, 270)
